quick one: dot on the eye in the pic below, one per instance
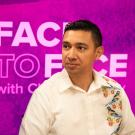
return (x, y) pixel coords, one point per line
(66, 46)
(82, 48)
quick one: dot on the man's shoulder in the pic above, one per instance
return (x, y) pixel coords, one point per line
(55, 78)
(111, 82)
(49, 84)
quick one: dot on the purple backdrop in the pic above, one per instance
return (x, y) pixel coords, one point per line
(21, 73)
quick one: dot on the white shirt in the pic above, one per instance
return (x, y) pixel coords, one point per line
(58, 107)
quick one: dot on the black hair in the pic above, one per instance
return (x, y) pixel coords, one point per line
(86, 25)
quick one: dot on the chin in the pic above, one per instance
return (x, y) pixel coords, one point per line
(72, 71)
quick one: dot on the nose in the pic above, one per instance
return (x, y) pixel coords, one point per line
(72, 55)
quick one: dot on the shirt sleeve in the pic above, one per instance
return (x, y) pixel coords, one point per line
(128, 122)
(38, 116)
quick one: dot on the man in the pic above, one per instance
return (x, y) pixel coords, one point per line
(78, 100)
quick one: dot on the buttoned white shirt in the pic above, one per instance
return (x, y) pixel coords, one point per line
(58, 107)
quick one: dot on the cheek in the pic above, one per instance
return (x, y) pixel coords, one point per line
(88, 58)
(63, 57)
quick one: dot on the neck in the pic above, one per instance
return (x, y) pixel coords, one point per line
(83, 80)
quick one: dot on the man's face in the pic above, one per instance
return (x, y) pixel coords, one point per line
(78, 51)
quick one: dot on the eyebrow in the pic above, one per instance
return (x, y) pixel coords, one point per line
(65, 42)
(78, 43)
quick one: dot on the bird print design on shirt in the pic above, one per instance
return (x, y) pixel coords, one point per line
(114, 105)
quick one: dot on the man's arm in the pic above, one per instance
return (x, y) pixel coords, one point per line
(37, 118)
(128, 123)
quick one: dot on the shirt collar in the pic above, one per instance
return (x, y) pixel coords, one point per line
(65, 82)
(99, 81)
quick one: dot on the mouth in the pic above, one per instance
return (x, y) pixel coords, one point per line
(71, 65)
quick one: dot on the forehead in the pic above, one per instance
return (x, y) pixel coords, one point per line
(77, 36)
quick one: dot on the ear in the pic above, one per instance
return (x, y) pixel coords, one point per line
(99, 52)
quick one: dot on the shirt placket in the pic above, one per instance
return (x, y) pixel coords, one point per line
(89, 114)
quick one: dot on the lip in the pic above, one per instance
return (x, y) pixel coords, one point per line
(71, 65)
